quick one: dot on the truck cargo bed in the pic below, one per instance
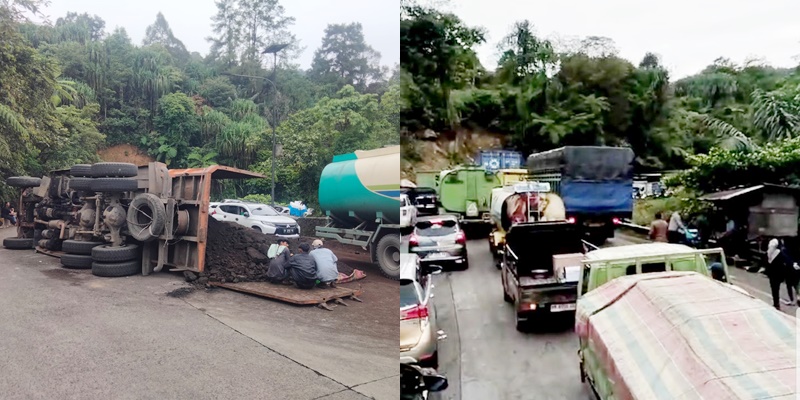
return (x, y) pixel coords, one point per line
(291, 294)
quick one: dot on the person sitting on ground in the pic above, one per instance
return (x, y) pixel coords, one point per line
(277, 272)
(675, 228)
(658, 229)
(13, 215)
(303, 269)
(327, 273)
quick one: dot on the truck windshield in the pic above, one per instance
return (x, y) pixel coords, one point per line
(438, 228)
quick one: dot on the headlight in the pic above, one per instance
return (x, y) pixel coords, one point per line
(267, 223)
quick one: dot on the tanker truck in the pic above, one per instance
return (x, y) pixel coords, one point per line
(520, 203)
(359, 192)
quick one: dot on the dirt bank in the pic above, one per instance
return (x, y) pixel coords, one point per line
(238, 254)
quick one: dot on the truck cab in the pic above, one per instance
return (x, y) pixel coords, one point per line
(604, 265)
(541, 267)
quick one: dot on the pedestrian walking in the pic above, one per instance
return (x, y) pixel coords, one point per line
(675, 228)
(780, 270)
(658, 229)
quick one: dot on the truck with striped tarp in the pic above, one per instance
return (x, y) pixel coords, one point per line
(360, 194)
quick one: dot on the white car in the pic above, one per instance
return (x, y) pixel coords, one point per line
(260, 217)
(408, 212)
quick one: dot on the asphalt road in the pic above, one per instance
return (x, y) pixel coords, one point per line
(485, 357)
(67, 334)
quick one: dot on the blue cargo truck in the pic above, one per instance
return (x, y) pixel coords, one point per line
(594, 182)
(493, 160)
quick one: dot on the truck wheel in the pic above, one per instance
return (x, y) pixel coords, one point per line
(80, 184)
(79, 247)
(522, 326)
(388, 253)
(114, 169)
(81, 170)
(76, 261)
(506, 297)
(108, 254)
(114, 270)
(23, 181)
(583, 373)
(114, 185)
(18, 243)
(146, 217)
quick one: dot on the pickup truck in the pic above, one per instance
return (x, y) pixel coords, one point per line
(532, 280)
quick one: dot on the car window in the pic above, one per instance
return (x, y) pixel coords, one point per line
(229, 209)
(264, 210)
(409, 295)
(403, 202)
(437, 228)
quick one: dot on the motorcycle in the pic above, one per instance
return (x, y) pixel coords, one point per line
(416, 382)
(691, 238)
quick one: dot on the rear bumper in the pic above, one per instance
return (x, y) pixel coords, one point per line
(558, 301)
(425, 350)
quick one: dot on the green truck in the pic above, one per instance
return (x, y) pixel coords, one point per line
(467, 191)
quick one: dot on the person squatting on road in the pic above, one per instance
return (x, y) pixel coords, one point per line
(8, 215)
(277, 272)
(303, 269)
(675, 228)
(327, 273)
(658, 229)
(780, 269)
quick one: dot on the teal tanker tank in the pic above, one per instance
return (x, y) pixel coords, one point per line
(360, 193)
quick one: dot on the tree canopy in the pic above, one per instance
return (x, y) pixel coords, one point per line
(71, 88)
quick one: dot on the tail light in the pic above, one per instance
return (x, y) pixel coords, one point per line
(616, 221)
(571, 220)
(413, 240)
(214, 212)
(418, 312)
(461, 238)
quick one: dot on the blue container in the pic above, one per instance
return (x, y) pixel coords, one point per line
(494, 160)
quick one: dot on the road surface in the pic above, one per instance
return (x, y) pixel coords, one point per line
(70, 335)
(485, 357)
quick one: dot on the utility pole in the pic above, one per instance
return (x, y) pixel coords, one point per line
(274, 49)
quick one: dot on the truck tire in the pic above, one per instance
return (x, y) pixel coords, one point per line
(388, 253)
(18, 243)
(23, 181)
(81, 184)
(146, 217)
(81, 170)
(114, 170)
(506, 297)
(79, 247)
(76, 261)
(114, 185)
(108, 254)
(115, 270)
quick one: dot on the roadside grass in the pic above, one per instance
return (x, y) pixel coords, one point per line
(644, 210)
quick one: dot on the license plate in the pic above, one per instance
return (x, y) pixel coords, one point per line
(438, 255)
(562, 307)
(290, 231)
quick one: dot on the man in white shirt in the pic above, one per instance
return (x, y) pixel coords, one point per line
(327, 272)
(675, 227)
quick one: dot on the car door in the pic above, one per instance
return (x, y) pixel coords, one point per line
(226, 212)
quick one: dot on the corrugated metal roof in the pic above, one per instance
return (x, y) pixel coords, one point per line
(729, 194)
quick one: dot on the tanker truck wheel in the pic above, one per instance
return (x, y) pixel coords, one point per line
(388, 252)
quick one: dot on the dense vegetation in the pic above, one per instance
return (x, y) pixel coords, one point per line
(543, 95)
(71, 87)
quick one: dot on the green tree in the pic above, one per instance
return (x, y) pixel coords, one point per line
(160, 33)
(345, 58)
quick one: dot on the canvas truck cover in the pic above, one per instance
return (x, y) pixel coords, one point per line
(585, 163)
(593, 180)
(681, 335)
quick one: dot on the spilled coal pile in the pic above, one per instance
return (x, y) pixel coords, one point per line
(238, 254)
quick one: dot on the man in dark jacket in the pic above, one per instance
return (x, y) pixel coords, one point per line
(277, 272)
(303, 269)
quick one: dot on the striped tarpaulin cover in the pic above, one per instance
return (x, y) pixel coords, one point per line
(682, 335)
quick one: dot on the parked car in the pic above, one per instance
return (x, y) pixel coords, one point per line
(419, 334)
(439, 239)
(408, 213)
(260, 217)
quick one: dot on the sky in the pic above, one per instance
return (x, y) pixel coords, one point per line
(688, 35)
(190, 20)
